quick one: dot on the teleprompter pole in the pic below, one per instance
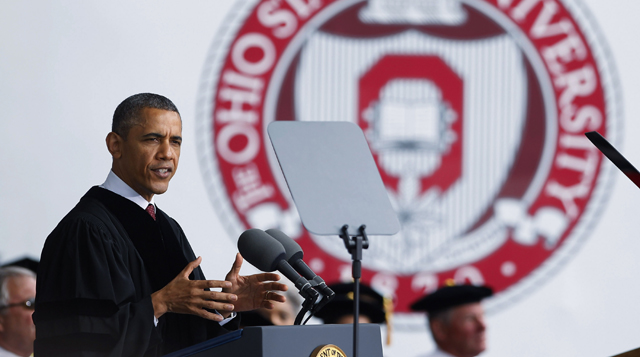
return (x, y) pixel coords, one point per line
(355, 245)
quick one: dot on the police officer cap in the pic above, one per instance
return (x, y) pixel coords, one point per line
(371, 304)
(451, 296)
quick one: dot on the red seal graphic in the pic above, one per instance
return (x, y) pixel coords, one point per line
(474, 110)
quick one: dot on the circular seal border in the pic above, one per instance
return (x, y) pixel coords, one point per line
(612, 102)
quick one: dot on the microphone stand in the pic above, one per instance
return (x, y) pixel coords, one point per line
(306, 306)
(310, 295)
(355, 245)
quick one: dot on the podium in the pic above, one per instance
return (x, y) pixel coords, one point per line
(286, 341)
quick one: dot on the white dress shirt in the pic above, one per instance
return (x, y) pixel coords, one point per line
(115, 184)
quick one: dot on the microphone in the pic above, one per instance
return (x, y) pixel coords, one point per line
(263, 253)
(294, 255)
(267, 254)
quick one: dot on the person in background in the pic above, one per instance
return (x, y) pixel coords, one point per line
(17, 295)
(456, 319)
(374, 308)
(340, 309)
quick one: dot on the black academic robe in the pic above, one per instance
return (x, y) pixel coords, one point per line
(97, 271)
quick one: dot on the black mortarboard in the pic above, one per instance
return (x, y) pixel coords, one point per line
(371, 304)
(451, 296)
(25, 262)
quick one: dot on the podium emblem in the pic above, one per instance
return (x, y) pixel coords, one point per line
(328, 351)
(474, 111)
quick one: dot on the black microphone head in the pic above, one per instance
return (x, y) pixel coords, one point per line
(260, 249)
(293, 250)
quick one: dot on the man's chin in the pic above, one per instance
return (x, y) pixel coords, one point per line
(160, 188)
(481, 348)
(477, 348)
(159, 192)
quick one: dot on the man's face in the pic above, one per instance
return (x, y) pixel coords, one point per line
(148, 158)
(17, 331)
(464, 334)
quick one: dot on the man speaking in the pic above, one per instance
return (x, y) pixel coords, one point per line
(117, 276)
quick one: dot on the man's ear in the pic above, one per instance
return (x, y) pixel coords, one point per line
(114, 145)
(437, 329)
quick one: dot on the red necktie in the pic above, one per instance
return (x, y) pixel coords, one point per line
(151, 211)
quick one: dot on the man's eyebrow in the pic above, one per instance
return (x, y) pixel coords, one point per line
(153, 135)
(158, 135)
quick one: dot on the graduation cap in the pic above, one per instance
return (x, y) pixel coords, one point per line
(372, 304)
(451, 296)
(378, 308)
(25, 262)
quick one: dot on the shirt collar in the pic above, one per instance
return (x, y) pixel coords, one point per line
(115, 184)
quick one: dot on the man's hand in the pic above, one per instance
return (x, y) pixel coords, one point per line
(186, 296)
(253, 291)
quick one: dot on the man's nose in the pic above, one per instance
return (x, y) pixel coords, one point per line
(481, 324)
(166, 151)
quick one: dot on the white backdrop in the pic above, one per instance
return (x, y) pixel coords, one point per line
(65, 66)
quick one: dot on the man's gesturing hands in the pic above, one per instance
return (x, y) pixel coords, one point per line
(186, 296)
(239, 293)
(253, 291)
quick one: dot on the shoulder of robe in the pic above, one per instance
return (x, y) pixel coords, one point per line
(89, 219)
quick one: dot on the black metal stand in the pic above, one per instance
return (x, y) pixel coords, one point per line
(355, 245)
(307, 305)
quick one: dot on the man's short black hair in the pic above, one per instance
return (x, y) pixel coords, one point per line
(127, 114)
